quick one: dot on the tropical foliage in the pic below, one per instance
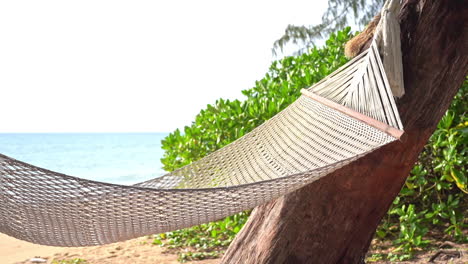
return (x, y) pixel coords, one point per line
(226, 120)
(433, 198)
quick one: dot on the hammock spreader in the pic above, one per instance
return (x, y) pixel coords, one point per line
(338, 120)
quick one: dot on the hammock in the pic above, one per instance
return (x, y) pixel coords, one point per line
(338, 120)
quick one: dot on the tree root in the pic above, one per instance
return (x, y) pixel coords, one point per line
(448, 253)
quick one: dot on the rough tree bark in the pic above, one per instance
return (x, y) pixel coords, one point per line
(334, 219)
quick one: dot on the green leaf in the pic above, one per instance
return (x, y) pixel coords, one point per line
(460, 179)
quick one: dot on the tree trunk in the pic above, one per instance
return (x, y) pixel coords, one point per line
(334, 219)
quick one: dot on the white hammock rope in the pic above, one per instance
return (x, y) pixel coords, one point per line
(388, 38)
(345, 116)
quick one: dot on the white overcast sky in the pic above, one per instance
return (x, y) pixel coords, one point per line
(133, 66)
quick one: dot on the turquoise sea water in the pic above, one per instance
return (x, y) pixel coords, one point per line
(123, 158)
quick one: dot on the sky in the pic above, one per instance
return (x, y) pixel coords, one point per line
(133, 66)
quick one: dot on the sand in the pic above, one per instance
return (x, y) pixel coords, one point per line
(141, 251)
(135, 251)
(13, 250)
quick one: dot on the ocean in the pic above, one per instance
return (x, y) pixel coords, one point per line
(122, 158)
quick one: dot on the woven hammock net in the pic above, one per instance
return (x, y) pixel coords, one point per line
(301, 144)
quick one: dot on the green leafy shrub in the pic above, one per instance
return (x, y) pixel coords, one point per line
(225, 121)
(203, 241)
(432, 198)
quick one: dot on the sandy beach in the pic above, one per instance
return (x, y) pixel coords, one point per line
(13, 250)
(135, 251)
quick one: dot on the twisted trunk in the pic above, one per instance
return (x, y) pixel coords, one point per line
(334, 219)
